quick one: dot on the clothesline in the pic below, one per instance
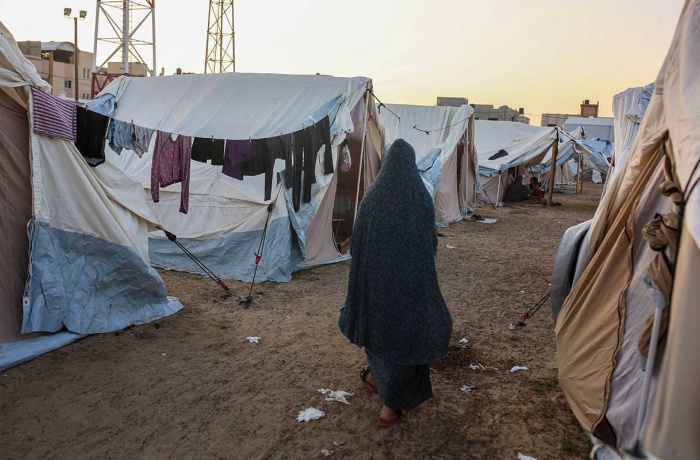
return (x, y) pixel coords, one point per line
(427, 132)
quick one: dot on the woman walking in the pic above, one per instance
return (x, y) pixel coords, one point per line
(394, 307)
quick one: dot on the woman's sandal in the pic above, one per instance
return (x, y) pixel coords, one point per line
(363, 376)
(381, 423)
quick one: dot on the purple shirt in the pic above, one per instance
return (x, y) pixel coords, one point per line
(171, 164)
(54, 117)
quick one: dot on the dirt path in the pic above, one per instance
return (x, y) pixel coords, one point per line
(191, 386)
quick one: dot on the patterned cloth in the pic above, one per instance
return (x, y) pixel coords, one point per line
(119, 135)
(394, 307)
(54, 117)
(141, 139)
(171, 164)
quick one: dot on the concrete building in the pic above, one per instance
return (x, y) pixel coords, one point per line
(524, 119)
(452, 101)
(588, 109)
(595, 128)
(555, 119)
(502, 113)
(55, 63)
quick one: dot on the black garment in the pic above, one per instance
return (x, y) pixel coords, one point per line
(322, 136)
(310, 155)
(92, 130)
(287, 142)
(261, 163)
(394, 307)
(298, 168)
(516, 191)
(401, 387)
(205, 149)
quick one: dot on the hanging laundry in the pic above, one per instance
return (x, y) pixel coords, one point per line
(344, 157)
(287, 146)
(235, 154)
(298, 168)
(171, 164)
(140, 139)
(322, 135)
(92, 131)
(54, 117)
(204, 149)
(310, 155)
(119, 135)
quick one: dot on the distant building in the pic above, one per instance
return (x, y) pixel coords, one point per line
(595, 128)
(54, 61)
(502, 113)
(452, 101)
(555, 119)
(136, 69)
(524, 119)
(588, 109)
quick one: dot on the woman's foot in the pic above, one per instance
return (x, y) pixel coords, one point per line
(388, 417)
(368, 379)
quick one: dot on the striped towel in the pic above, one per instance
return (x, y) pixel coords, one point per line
(54, 117)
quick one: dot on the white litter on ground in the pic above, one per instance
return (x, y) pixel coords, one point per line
(164, 355)
(310, 414)
(511, 327)
(519, 368)
(477, 366)
(466, 388)
(487, 221)
(525, 457)
(464, 340)
(338, 395)
(451, 247)
(253, 339)
(326, 452)
(522, 292)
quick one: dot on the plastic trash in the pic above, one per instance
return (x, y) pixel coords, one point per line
(338, 395)
(326, 452)
(525, 457)
(464, 340)
(477, 366)
(310, 414)
(466, 388)
(164, 355)
(518, 368)
(451, 247)
(253, 339)
(511, 327)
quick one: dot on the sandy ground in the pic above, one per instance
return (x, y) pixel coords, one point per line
(191, 386)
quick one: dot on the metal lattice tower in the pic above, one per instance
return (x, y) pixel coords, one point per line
(221, 42)
(125, 32)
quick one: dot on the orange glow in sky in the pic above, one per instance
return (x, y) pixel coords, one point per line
(543, 55)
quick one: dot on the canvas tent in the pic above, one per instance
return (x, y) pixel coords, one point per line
(446, 156)
(629, 108)
(227, 217)
(73, 240)
(625, 286)
(502, 145)
(567, 159)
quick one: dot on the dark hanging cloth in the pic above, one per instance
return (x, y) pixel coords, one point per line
(261, 163)
(287, 146)
(237, 153)
(310, 155)
(91, 130)
(298, 168)
(500, 154)
(207, 149)
(322, 136)
(396, 313)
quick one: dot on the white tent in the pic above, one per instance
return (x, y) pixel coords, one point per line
(502, 145)
(445, 155)
(629, 108)
(73, 240)
(226, 218)
(567, 159)
(625, 284)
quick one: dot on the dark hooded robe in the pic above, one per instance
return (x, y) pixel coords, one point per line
(394, 307)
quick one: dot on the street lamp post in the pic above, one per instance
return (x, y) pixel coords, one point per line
(76, 52)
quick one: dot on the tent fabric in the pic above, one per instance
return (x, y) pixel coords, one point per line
(598, 327)
(87, 266)
(524, 144)
(226, 217)
(16, 211)
(437, 153)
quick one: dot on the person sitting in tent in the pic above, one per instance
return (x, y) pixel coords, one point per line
(394, 307)
(516, 191)
(531, 186)
(537, 193)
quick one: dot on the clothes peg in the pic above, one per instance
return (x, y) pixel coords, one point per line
(212, 138)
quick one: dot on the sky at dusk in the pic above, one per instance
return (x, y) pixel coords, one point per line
(542, 55)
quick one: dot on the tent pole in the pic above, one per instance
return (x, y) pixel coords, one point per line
(552, 168)
(498, 191)
(362, 159)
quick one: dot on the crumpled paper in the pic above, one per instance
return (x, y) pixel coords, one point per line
(464, 340)
(518, 368)
(310, 414)
(525, 457)
(253, 339)
(451, 247)
(337, 395)
(466, 388)
(477, 366)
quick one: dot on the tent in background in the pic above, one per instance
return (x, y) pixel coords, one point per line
(226, 218)
(74, 239)
(625, 285)
(446, 156)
